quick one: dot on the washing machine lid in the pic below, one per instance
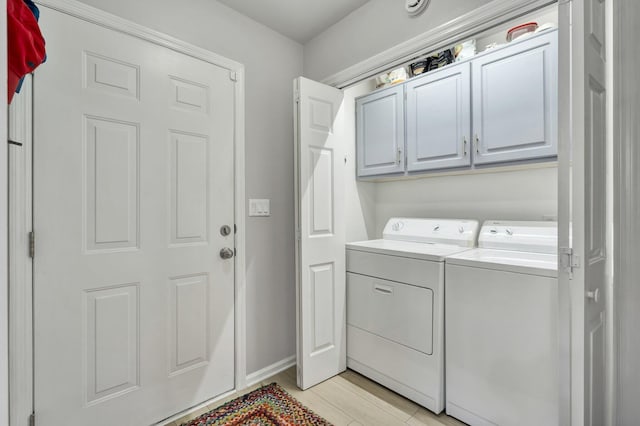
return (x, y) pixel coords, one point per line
(520, 262)
(531, 237)
(426, 239)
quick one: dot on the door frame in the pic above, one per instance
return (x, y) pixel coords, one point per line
(21, 388)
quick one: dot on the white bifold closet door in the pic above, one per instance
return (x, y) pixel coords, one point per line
(320, 232)
(133, 178)
(582, 211)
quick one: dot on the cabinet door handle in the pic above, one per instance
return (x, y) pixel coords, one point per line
(477, 141)
(464, 140)
(383, 289)
(398, 156)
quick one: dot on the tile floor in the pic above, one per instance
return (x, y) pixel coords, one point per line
(348, 400)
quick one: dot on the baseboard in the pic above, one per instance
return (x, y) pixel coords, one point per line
(270, 370)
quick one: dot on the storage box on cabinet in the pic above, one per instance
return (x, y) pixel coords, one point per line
(499, 107)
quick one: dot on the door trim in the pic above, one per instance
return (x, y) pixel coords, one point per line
(21, 389)
(20, 267)
(440, 37)
(565, 302)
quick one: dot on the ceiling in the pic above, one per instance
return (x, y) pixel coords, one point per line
(300, 20)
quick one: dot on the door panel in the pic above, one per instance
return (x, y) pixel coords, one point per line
(515, 101)
(438, 119)
(133, 161)
(595, 384)
(320, 257)
(593, 201)
(112, 341)
(322, 303)
(380, 132)
(112, 185)
(582, 209)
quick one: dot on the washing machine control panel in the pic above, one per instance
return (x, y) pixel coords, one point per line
(536, 237)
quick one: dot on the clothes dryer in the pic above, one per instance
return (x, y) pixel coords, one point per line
(395, 305)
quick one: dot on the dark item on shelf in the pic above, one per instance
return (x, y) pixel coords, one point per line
(419, 67)
(440, 60)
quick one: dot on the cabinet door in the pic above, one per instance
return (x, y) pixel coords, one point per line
(515, 101)
(438, 119)
(380, 132)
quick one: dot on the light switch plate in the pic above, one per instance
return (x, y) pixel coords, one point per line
(259, 207)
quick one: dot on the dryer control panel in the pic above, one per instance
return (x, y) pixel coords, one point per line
(461, 233)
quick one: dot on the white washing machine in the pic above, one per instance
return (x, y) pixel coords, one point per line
(502, 327)
(395, 305)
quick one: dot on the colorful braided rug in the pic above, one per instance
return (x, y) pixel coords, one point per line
(268, 406)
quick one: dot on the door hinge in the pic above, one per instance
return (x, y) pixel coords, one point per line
(32, 419)
(297, 97)
(298, 234)
(233, 76)
(568, 260)
(32, 244)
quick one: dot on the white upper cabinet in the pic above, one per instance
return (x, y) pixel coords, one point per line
(515, 101)
(500, 107)
(380, 132)
(438, 118)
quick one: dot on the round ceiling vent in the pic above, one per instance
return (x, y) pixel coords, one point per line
(415, 7)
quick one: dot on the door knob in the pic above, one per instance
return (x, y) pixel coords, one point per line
(594, 295)
(226, 253)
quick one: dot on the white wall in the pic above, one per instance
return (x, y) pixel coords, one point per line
(373, 28)
(514, 195)
(271, 61)
(360, 196)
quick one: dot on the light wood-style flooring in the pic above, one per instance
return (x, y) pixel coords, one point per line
(348, 400)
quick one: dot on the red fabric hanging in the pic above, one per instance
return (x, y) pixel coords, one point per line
(25, 43)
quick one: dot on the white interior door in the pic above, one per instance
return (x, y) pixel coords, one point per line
(133, 179)
(320, 230)
(583, 208)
